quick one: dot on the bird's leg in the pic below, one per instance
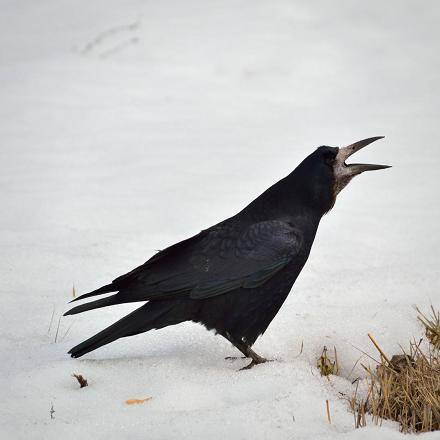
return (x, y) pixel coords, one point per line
(248, 353)
(256, 359)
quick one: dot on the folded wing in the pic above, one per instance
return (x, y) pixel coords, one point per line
(218, 260)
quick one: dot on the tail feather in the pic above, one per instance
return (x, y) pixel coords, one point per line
(140, 320)
(103, 302)
(104, 289)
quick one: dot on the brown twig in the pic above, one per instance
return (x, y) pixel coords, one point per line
(327, 405)
(81, 380)
(378, 348)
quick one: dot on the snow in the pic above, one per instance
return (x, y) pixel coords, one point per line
(175, 117)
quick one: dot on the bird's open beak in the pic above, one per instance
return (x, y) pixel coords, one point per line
(352, 170)
(344, 172)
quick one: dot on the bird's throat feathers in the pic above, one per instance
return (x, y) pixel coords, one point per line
(310, 189)
(296, 196)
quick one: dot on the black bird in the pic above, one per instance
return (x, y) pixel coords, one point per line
(234, 276)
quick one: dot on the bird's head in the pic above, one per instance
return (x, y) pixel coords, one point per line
(314, 183)
(344, 172)
(331, 173)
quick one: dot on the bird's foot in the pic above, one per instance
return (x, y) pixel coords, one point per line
(234, 358)
(256, 361)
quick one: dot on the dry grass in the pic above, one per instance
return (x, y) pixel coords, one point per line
(359, 409)
(405, 388)
(326, 365)
(431, 325)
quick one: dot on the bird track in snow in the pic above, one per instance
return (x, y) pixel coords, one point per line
(112, 40)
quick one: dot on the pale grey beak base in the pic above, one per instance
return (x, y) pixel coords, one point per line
(353, 169)
(352, 148)
(345, 172)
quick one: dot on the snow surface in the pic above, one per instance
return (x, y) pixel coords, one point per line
(127, 126)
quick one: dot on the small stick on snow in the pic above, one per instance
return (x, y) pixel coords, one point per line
(58, 329)
(336, 361)
(81, 380)
(137, 401)
(302, 347)
(51, 320)
(67, 331)
(328, 412)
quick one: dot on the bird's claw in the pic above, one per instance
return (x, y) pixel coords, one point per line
(254, 362)
(234, 358)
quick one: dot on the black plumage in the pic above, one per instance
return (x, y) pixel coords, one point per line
(234, 276)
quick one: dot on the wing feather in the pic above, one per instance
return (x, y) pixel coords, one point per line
(216, 261)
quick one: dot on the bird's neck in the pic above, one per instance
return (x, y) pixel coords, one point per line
(291, 199)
